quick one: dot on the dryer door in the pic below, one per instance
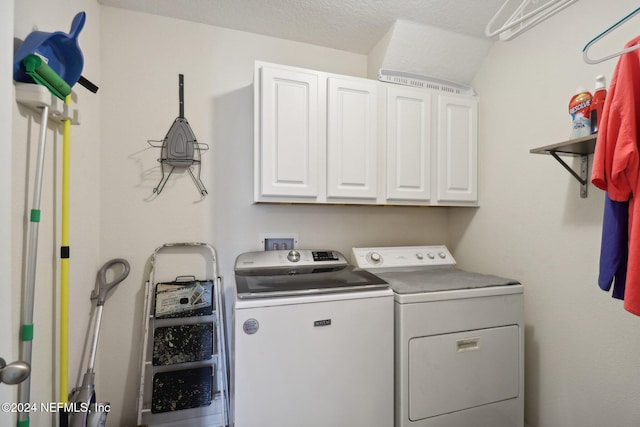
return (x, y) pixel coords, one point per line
(457, 371)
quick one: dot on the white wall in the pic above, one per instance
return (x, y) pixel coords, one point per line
(582, 365)
(134, 59)
(142, 56)
(8, 333)
(84, 213)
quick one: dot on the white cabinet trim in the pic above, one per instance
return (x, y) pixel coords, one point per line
(327, 138)
(352, 138)
(288, 124)
(457, 149)
(409, 144)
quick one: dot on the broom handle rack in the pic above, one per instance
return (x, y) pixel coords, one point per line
(35, 97)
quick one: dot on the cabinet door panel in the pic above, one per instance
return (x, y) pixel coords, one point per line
(457, 149)
(288, 133)
(352, 138)
(409, 135)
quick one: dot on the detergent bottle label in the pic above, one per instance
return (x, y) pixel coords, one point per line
(580, 111)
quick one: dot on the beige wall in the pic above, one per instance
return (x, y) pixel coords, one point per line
(85, 201)
(581, 358)
(140, 103)
(8, 333)
(582, 366)
(136, 59)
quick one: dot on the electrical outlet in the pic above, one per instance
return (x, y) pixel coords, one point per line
(272, 244)
(278, 241)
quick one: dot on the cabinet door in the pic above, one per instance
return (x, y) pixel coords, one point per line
(409, 136)
(352, 138)
(287, 146)
(457, 149)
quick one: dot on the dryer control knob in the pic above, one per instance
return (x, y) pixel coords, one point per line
(293, 256)
(431, 256)
(419, 256)
(375, 258)
(442, 255)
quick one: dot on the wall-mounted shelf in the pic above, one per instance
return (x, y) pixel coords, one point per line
(581, 147)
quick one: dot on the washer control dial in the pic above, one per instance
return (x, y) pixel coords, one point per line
(293, 256)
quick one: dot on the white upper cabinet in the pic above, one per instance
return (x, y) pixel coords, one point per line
(457, 149)
(409, 144)
(327, 138)
(287, 123)
(352, 138)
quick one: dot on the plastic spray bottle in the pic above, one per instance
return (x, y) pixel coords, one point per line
(598, 102)
(580, 111)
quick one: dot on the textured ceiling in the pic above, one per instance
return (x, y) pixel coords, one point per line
(350, 25)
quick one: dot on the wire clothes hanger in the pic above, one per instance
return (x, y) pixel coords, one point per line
(585, 50)
(524, 21)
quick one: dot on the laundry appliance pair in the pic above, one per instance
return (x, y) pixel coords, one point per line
(402, 338)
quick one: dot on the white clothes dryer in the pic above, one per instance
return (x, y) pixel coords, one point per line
(459, 339)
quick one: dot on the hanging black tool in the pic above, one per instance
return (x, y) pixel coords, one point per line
(180, 149)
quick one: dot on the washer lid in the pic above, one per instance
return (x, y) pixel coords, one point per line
(442, 278)
(276, 282)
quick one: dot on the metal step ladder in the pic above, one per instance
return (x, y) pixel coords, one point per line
(184, 375)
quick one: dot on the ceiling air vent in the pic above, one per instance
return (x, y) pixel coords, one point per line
(425, 82)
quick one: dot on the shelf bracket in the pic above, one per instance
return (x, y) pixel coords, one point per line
(581, 177)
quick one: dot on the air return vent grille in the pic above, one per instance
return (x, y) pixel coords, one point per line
(425, 82)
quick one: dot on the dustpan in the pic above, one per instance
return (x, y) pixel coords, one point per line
(60, 50)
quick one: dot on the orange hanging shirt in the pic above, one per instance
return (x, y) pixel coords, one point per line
(616, 159)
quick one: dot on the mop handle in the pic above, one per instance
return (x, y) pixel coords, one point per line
(100, 294)
(26, 331)
(34, 220)
(94, 341)
(102, 286)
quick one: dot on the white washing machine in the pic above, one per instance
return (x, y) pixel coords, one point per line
(459, 340)
(313, 342)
